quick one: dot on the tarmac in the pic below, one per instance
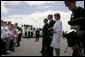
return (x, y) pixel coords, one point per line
(31, 48)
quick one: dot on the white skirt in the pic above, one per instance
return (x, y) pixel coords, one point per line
(55, 42)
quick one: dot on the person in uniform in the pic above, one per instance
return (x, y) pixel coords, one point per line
(77, 12)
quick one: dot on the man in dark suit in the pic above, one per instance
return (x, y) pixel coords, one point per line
(50, 35)
(45, 37)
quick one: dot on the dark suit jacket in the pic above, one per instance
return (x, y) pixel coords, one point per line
(51, 24)
(45, 31)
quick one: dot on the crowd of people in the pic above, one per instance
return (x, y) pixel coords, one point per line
(30, 32)
(10, 37)
(52, 32)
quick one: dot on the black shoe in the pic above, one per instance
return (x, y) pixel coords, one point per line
(40, 51)
(13, 51)
(18, 46)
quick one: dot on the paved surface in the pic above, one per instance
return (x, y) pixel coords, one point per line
(31, 48)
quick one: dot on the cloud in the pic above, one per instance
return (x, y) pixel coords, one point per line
(13, 2)
(29, 2)
(80, 3)
(30, 7)
(36, 19)
(20, 8)
(37, 2)
(34, 12)
(3, 8)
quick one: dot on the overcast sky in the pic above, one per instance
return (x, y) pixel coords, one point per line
(34, 12)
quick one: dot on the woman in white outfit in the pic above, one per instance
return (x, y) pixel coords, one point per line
(57, 32)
